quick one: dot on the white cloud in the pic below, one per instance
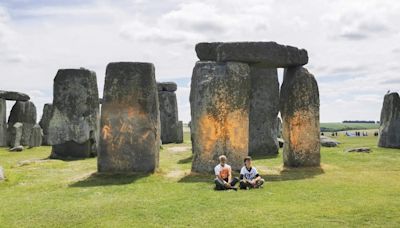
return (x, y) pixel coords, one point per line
(353, 45)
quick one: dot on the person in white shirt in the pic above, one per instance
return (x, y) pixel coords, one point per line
(223, 175)
(249, 177)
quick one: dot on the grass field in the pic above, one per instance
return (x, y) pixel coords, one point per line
(330, 127)
(349, 190)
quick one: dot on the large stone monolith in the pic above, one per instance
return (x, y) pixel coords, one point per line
(25, 113)
(3, 123)
(219, 100)
(299, 106)
(15, 135)
(130, 119)
(264, 108)
(168, 112)
(73, 126)
(389, 131)
(36, 136)
(45, 121)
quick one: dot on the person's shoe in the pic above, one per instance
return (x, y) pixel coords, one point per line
(234, 188)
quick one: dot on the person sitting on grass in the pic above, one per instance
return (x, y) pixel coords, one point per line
(249, 177)
(223, 173)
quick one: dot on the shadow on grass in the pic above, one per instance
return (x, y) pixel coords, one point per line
(288, 174)
(260, 157)
(196, 177)
(186, 160)
(100, 179)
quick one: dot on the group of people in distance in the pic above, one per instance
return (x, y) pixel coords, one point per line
(249, 177)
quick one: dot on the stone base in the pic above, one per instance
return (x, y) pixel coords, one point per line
(72, 150)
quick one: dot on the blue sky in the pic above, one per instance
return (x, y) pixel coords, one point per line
(353, 46)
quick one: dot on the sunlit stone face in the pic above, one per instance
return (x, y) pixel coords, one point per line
(220, 114)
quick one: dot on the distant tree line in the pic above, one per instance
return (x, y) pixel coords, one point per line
(360, 121)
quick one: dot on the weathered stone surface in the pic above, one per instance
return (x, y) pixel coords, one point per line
(36, 136)
(268, 54)
(207, 51)
(359, 150)
(15, 134)
(220, 102)
(168, 116)
(264, 108)
(14, 96)
(130, 119)
(25, 113)
(16, 149)
(299, 102)
(179, 129)
(2, 176)
(279, 127)
(328, 142)
(73, 127)
(45, 122)
(389, 131)
(167, 86)
(3, 123)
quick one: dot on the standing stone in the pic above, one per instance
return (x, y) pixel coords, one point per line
(130, 119)
(179, 129)
(36, 136)
(219, 101)
(25, 113)
(15, 135)
(45, 121)
(389, 131)
(264, 108)
(299, 101)
(279, 127)
(168, 112)
(3, 123)
(73, 126)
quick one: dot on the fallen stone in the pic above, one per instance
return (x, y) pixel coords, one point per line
(36, 136)
(328, 142)
(25, 113)
(17, 149)
(3, 123)
(359, 149)
(389, 130)
(130, 122)
(264, 108)
(270, 54)
(299, 101)
(220, 103)
(15, 134)
(179, 129)
(167, 86)
(45, 122)
(73, 128)
(14, 96)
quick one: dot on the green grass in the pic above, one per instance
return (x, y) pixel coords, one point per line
(350, 190)
(329, 127)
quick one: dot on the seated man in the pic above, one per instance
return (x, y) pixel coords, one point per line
(223, 173)
(249, 177)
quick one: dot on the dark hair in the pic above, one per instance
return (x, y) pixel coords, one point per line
(247, 158)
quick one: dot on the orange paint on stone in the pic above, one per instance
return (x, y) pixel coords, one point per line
(237, 128)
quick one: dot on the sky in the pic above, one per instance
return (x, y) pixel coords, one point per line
(353, 46)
